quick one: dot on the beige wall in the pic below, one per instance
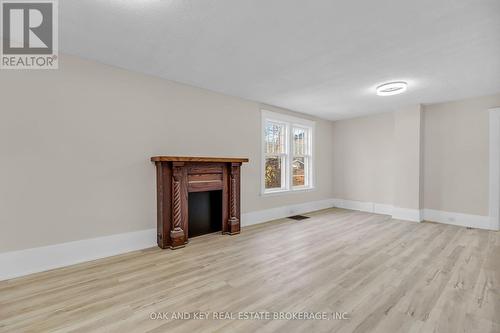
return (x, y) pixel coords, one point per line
(407, 157)
(378, 158)
(75, 146)
(456, 155)
(363, 164)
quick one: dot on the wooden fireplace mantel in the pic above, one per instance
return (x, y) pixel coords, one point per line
(177, 176)
(198, 159)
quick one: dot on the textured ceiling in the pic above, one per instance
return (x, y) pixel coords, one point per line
(322, 57)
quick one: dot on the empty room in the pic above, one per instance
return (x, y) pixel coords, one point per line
(249, 166)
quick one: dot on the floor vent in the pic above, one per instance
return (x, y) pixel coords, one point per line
(298, 217)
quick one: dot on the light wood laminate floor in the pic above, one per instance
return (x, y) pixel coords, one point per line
(388, 275)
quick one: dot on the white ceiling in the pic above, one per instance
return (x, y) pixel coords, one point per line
(322, 57)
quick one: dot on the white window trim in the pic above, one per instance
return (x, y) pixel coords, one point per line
(291, 122)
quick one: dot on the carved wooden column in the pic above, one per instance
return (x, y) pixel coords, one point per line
(177, 234)
(234, 198)
(163, 185)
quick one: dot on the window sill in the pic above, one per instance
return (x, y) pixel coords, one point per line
(284, 192)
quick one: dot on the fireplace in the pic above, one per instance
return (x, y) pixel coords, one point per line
(204, 213)
(195, 196)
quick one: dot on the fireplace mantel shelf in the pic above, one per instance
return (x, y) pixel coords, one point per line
(198, 159)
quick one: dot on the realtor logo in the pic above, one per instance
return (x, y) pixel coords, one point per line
(29, 34)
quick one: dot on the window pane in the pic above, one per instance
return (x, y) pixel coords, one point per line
(300, 145)
(298, 166)
(275, 138)
(273, 172)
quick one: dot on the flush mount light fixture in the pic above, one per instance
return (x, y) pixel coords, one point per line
(392, 88)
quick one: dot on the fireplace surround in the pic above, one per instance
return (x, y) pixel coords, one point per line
(177, 177)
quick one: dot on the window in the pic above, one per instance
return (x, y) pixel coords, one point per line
(287, 160)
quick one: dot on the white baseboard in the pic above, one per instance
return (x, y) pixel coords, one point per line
(464, 220)
(266, 215)
(354, 205)
(407, 214)
(18, 263)
(416, 215)
(383, 209)
(377, 208)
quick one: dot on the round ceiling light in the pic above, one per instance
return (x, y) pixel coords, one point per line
(392, 88)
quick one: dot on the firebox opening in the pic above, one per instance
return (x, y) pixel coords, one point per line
(205, 213)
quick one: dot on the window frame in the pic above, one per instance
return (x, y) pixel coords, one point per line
(290, 123)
